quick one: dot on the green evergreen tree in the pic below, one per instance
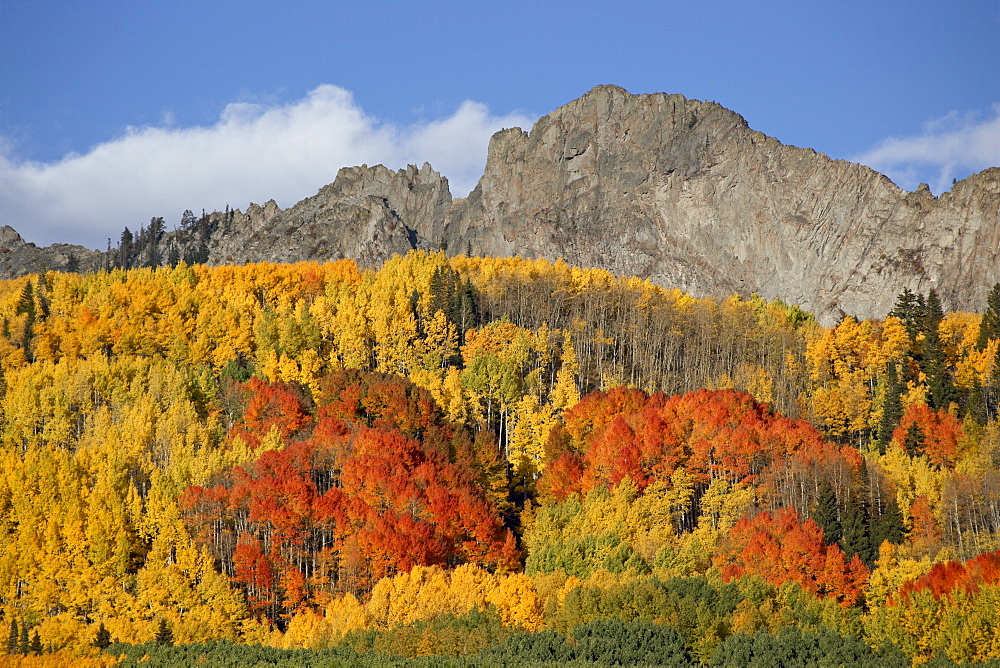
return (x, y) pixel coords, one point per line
(72, 263)
(989, 327)
(414, 303)
(910, 308)
(932, 358)
(612, 642)
(26, 306)
(126, 250)
(25, 642)
(826, 514)
(855, 537)
(173, 255)
(36, 643)
(913, 441)
(153, 236)
(443, 287)
(465, 313)
(975, 402)
(889, 525)
(103, 638)
(793, 646)
(164, 636)
(12, 639)
(933, 311)
(42, 293)
(26, 302)
(892, 408)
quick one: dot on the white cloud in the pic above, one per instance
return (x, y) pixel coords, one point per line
(953, 146)
(253, 153)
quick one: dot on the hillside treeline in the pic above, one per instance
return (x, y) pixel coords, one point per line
(458, 456)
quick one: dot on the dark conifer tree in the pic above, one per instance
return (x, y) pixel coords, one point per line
(975, 403)
(173, 255)
(443, 287)
(188, 220)
(989, 328)
(153, 236)
(889, 525)
(910, 308)
(932, 359)
(36, 643)
(42, 294)
(826, 513)
(164, 636)
(26, 302)
(103, 638)
(466, 309)
(25, 642)
(414, 308)
(12, 639)
(26, 307)
(855, 537)
(933, 312)
(892, 408)
(913, 440)
(126, 249)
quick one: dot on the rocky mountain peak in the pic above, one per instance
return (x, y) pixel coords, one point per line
(685, 193)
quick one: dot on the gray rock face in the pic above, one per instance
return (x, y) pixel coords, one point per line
(367, 214)
(683, 192)
(657, 186)
(18, 257)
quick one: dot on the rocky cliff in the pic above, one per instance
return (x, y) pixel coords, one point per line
(367, 214)
(659, 186)
(683, 192)
(19, 257)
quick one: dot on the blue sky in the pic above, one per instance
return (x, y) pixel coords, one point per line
(116, 111)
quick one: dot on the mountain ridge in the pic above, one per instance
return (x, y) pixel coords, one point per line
(659, 186)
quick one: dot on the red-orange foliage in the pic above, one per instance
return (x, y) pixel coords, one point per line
(941, 431)
(925, 532)
(781, 548)
(272, 405)
(596, 410)
(253, 570)
(943, 579)
(349, 503)
(714, 433)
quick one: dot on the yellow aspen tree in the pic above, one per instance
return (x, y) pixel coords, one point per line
(179, 582)
(270, 366)
(517, 602)
(722, 505)
(439, 343)
(288, 369)
(110, 534)
(342, 615)
(350, 330)
(457, 406)
(566, 393)
(531, 424)
(912, 477)
(305, 627)
(755, 380)
(311, 368)
(891, 572)
(468, 587)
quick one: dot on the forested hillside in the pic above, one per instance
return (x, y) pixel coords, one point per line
(497, 459)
